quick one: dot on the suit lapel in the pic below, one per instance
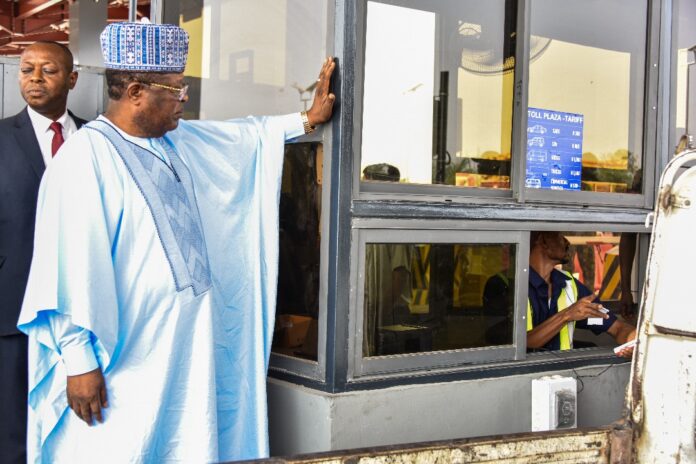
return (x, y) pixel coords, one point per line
(78, 122)
(26, 138)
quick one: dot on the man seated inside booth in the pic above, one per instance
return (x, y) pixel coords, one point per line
(558, 303)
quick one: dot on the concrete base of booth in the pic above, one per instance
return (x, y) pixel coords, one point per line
(302, 420)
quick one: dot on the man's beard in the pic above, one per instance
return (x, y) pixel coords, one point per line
(148, 125)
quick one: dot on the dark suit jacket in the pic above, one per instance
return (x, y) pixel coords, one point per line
(21, 168)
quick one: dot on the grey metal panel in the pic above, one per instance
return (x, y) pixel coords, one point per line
(156, 11)
(668, 76)
(13, 102)
(86, 100)
(358, 89)
(87, 20)
(654, 117)
(298, 418)
(485, 225)
(669, 43)
(521, 94)
(521, 290)
(339, 245)
(413, 191)
(585, 198)
(302, 367)
(537, 215)
(359, 366)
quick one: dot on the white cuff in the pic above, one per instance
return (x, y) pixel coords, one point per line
(293, 125)
(79, 359)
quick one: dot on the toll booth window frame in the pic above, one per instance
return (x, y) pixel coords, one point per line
(360, 366)
(515, 356)
(518, 193)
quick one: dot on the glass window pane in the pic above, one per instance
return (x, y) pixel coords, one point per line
(586, 91)
(297, 307)
(247, 57)
(438, 90)
(433, 297)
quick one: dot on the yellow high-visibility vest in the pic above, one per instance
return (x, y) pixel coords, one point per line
(420, 273)
(568, 296)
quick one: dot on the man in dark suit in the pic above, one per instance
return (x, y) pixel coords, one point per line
(28, 141)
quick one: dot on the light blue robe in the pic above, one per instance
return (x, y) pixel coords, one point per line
(184, 358)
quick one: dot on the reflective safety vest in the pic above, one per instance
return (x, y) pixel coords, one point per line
(568, 296)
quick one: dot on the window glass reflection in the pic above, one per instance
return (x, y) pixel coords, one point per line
(586, 91)
(261, 57)
(247, 57)
(297, 305)
(433, 297)
(438, 84)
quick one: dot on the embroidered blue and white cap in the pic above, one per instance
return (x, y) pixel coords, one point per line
(144, 47)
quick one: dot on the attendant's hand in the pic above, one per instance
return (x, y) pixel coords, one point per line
(322, 106)
(628, 352)
(87, 395)
(584, 308)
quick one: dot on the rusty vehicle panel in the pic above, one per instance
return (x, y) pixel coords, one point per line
(562, 447)
(662, 394)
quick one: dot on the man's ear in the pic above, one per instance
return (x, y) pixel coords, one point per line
(134, 92)
(72, 80)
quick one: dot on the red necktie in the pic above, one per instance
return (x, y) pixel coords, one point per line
(57, 137)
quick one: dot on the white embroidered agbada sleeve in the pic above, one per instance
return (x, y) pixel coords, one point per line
(71, 284)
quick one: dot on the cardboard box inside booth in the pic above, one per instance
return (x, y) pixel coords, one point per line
(291, 330)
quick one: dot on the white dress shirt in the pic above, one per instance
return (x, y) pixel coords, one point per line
(44, 134)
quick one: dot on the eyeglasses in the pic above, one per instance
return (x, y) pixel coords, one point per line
(180, 92)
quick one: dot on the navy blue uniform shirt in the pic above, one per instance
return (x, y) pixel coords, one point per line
(539, 299)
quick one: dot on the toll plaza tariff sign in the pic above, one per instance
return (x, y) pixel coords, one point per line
(554, 149)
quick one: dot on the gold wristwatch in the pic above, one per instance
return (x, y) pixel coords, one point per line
(308, 128)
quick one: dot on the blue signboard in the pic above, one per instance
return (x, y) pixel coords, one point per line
(554, 149)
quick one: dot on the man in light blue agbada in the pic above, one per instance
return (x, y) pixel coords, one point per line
(150, 302)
